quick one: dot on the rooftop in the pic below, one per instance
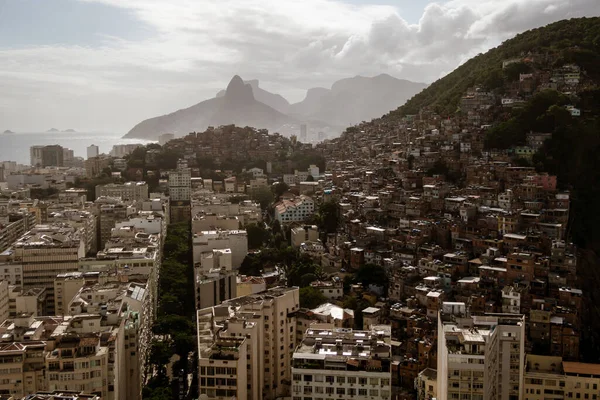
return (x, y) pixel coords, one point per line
(344, 349)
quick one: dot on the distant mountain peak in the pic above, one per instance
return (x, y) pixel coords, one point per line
(245, 103)
(238, 91)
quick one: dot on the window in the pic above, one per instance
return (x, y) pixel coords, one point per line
(351, 379)
(374, 392)
(307, 389)
(341, 379)
(308, 378)
(374, 381)
(329, 379)
(362, 392)
(329, 390)
(386, 382)
(362, 381)
(340, 391)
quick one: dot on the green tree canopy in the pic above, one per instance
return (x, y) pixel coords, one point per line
(371, 274)
(311, 297)
(329, 216)
(263, 196)
(258, 235)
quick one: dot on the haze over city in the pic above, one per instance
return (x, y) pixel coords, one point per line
(299, 199)
(108, 64)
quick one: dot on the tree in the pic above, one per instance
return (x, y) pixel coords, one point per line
(329, 216)
(310, 178)
(311, 297)
(371, 274)
(276, 228)
(307, 279)
(350, 302)
(411, 160)
(160, 355)
(263, 196)
(257, 235)
(279, 189)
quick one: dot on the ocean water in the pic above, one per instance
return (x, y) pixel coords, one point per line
(15, 146)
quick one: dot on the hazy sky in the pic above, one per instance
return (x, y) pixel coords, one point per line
(108, 64)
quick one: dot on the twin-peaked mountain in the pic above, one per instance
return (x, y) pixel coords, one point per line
(348, 102)
(237, 106)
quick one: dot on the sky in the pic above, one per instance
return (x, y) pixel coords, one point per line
(105, 65)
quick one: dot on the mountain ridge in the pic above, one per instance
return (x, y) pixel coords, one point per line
(238, 106)
(347, 102)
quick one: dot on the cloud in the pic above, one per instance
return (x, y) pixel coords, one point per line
(288, 45)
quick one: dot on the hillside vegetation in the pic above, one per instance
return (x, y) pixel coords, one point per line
(443, 96)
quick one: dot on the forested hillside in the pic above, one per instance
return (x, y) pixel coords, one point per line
(558, 38)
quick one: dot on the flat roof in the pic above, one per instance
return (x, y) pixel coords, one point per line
(581, 368)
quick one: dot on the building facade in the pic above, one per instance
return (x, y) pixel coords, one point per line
(479, 357)
(263, 326)
(342, 363)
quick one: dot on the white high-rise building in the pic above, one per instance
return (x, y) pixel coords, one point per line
(481, 356)
(180, 182)
(344, 364)
(93, 151)
(245, 346)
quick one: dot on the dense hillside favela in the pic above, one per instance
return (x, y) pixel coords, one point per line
(446, 250)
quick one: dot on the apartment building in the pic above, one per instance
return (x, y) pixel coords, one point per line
(127, 307)
(551, 377)
(135, 191)
(246, 211)
(207, 241)
(206, 222)
(78, 219)
(92, 151)
(46, 251)
(180, 182)
(121, 150)
(214, 287)
(479, 357)
(332, 290)
(35, 156)
(247, 285)
(295, 210)
(27, 301)
(67, 285)
(22, 367)
(61, 395)
(4, 300)
(52, 156)
(95, 165)
(12, 226)
(99, 347)
(342, 363)
(146, 221)
(303, 234)
(245, 345)
(110, 211)
(426, 384)
(78, 361)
